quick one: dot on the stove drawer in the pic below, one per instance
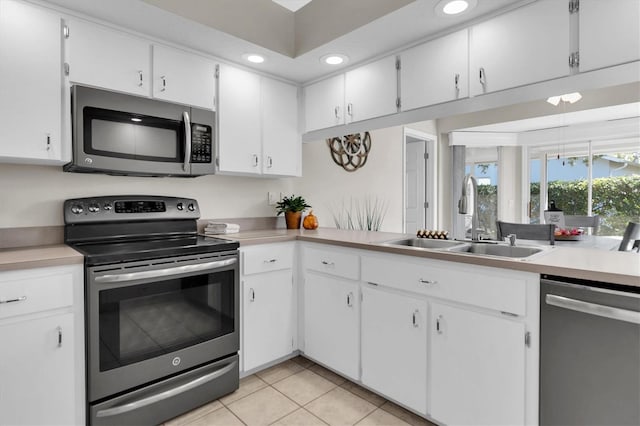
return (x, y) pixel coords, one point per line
(35, 290)
(266, 258)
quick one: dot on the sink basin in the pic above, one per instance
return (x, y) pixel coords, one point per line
(424, 243)
(497, 250)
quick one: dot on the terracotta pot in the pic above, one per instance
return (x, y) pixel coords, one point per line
(293, 219)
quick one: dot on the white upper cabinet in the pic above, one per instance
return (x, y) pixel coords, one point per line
(524, 46)
(324, 103)
(30, 84)
(281, 143)
(239, 130)
(102, 57)
(183, 77)
(435, 72)
(371, 90)
(609, 33)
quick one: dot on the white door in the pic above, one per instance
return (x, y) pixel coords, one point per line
(109, 59)
(239, 127)
(436, 71)
(415, 176)
(394, 346)
(371, 90)
(477, 368)
(37, 372)
(331, 322)
(281, 144)
(324, 103)
(30, 87)
(609, 33)
(183, 77)
(503, 53)
(268, 317)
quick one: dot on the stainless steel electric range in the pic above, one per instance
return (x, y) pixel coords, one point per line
(161, 306)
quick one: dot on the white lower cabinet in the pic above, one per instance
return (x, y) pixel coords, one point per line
(394, 346)
(332, 322)
(477, 367)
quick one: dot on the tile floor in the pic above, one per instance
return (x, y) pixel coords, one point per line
(299, 392)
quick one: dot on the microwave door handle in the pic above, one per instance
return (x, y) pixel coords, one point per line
(187, 137)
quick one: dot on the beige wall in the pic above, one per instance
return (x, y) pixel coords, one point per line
(325, 184)
(33, 195)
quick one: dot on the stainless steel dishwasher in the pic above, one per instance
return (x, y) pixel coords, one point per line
(589, 353)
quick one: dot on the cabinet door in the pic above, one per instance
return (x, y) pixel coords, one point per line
(37, 369)
(436, 71)
(30, 83)
(331, 322)
(110, 59)
(324, 104)
(183, 77)
(371, 90)
(280, 137)
(477, 368)
(268, 317)
(394, 346)
(527, 45)
(239, 130)
(609, 33)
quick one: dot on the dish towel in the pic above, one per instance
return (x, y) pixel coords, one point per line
(217, 228)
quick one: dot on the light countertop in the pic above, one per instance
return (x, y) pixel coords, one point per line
(38, 257)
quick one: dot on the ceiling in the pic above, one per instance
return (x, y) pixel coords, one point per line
(292, 42)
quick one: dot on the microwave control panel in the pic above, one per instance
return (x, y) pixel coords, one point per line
(201, 143)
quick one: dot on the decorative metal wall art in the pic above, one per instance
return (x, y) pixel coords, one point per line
(350, 151)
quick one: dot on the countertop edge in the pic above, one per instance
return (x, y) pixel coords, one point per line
(39, 257)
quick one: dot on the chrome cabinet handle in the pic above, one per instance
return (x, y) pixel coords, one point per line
(483, 79)
(336, 111)
(350, 109)
(19, 299)
(59, 329)
(350, 299)
(140, 80)
(252, 295)
(325, 263)
(164, 273)
(438, 324)
(48, 142)
(271, 261)
(152, 399)
(187, 137)
(255, 160)
(269, 162)
(164, 83)
(414, 318)
(456, 81)
(423, 281)
(593, 308)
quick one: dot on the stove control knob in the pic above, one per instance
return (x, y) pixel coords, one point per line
(77, 209)
(191, 207)
(94, 207)
(180, 206)
(107, 206)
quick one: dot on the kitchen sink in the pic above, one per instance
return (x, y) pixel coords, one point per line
(427, 243)
(497, 250)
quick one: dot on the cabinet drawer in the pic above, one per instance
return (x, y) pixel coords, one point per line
(25, 293)
(266, 258)
(334, 262)
(491, 288)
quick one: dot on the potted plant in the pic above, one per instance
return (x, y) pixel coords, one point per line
(292, 207)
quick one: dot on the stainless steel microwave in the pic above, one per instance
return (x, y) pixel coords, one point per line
(122, 134)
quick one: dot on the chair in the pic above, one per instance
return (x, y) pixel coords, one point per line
(527, 231)
(630, 238)
(581, 221)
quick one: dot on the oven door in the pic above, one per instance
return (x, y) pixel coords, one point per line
(152, 319)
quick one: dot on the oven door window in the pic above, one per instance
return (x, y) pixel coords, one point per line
(144, 321)
(133, 136)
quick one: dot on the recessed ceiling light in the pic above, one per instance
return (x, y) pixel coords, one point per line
(253, 58)
(334, 59)
(454, 7)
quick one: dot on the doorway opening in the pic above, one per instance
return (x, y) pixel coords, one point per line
(419, 181)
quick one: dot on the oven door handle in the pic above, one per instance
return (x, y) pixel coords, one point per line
(164, 273)
(152, 399)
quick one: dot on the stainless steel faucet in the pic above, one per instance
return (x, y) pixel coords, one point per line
(512, 239)
(463, 204)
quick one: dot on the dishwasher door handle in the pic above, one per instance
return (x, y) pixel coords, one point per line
(593, 308)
